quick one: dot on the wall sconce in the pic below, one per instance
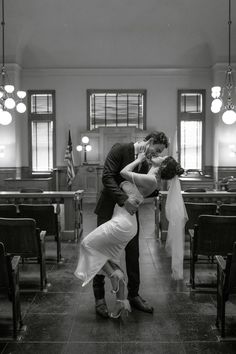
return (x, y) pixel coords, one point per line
(2, 151)
(85, 146)
(232, 149)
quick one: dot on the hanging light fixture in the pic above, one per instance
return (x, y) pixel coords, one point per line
(8, 100)
(222, 98)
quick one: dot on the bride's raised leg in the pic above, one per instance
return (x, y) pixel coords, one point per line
(115, 274)
(117, 278)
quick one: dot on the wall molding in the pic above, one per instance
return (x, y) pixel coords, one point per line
(163, 72)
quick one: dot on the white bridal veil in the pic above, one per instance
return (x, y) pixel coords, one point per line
(177, 216)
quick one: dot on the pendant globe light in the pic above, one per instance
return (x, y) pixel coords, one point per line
(8, 99)
(222, 97)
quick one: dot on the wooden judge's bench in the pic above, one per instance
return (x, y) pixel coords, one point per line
(200, 181)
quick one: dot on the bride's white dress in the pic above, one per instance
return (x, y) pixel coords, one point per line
(108, 241)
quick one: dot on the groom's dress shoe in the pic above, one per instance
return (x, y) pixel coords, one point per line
(140, 304)
(101, 308)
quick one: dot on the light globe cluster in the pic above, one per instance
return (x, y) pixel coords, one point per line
(85, 146)
(222, 98)
(9, 102)
(217, 102)
(229, 114)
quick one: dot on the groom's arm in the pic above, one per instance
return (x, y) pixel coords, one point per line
(111, 170)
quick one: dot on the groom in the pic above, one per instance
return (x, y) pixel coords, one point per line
(118, 157)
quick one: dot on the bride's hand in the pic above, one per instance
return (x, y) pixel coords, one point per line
(141, 157)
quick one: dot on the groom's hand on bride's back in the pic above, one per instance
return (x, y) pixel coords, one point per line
(131, 205)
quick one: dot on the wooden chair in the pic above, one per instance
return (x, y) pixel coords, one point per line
(9, 285)
(226, 285)
(227, 209)
(194, 210)
(31, 190)
(8, 211)
(38, 191)
(21, 238)
(46, 219)
(213, 235)
(194, 190)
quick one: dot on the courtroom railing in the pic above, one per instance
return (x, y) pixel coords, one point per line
(73, 207)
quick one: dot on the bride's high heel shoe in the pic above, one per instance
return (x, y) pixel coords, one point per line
(125, 307)
(120, 277)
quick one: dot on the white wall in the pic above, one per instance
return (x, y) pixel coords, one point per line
(71, 86)
(71, 111)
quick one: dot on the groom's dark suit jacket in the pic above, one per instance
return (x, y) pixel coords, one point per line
(119, 156)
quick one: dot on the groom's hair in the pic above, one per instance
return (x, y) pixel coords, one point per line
(170, 168)
(158, 138)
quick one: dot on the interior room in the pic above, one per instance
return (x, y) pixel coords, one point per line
(76, 78)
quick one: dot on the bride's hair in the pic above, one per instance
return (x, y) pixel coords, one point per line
(170, 168)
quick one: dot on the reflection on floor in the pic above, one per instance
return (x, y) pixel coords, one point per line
(63, 319)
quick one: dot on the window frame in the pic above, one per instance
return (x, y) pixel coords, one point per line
(187, 116)
(122, 91)
(34, 117)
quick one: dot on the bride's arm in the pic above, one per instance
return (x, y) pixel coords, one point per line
(126, 172)
(144, 181)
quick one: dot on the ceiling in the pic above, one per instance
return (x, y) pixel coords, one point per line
(118, 33)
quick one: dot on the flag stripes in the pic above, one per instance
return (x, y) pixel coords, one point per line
(70, 174)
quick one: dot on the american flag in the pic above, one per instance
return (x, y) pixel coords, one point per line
(70, 173)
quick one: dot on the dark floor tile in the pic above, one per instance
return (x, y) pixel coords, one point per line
(191, 302)
(193, 327)
(34, 348)
(6, 306)
(58, 303)
(30, 276)
(89, 327)
(48, 328)
(210, 348)
(62, 278)
(96, 348)
(164, 283)
(158, 327)
(153, 348)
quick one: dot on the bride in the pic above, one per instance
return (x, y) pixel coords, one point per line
(100, 250)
